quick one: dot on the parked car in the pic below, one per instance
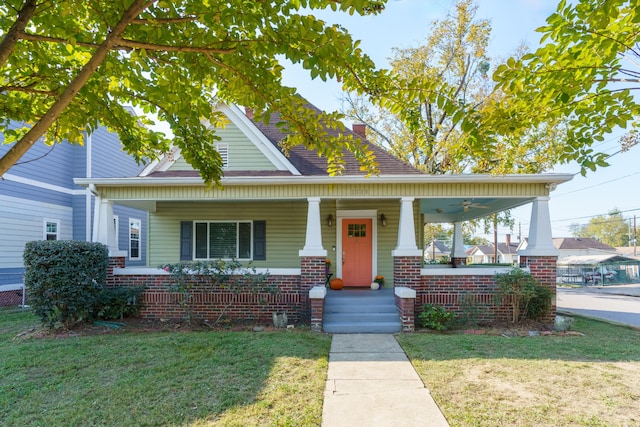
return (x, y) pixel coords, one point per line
(596, 276)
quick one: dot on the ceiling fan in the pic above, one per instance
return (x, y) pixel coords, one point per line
(466, 204)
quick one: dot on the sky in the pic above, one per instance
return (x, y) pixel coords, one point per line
(405, 23)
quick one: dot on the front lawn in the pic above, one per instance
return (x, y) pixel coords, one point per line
(481, 380)
(170, 378)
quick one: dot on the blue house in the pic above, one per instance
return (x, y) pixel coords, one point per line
(38, 200)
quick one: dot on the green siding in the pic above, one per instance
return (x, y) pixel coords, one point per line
(289, 191)
(286, 226)
(243, 154)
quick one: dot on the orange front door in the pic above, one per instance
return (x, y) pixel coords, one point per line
(356, 252)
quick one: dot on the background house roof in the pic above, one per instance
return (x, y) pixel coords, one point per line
(574, 243)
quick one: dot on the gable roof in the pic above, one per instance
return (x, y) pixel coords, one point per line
(439, 245)
(309, 163)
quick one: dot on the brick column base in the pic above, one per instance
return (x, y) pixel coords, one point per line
(406, 271)
(317, 295)
(406, 303)
(544, 269)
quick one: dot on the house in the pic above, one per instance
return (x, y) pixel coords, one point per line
(39, 200)
(437, 251)
(576, 246)
(286, 216)
(507, 253)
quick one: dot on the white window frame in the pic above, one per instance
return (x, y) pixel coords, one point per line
(45, 232)
(131, 239)
(237, 222)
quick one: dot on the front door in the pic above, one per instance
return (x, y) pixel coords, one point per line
(357, 252)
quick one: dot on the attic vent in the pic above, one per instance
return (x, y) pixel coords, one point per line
(223, 149)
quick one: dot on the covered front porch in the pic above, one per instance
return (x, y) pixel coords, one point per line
(309, 222)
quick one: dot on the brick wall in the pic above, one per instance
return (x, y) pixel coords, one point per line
(465, 295)
(406, 271)
(10, 298)
(208, 303)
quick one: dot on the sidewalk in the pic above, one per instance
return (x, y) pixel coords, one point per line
(372, 383)
(632, 290)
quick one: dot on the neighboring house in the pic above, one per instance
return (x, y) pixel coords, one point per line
(576, 246)
(39, 201)
(437, 251)
(285, 215)
(629, 251)
(486, 254)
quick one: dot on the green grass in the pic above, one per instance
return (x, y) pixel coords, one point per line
(481, 380)
(150, 379)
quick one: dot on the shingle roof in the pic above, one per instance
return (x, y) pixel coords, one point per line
(308, 162)
(581, 243)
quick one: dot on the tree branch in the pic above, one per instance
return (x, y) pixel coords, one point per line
(113, 37)
(17, 30)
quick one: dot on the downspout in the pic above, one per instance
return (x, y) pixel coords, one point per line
(91, 190)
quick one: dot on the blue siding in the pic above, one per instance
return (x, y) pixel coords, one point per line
(24, 206)
(36, 194)
(124, 213)
(44, 163)
(11, 276)
(78, 203)
(109, 160)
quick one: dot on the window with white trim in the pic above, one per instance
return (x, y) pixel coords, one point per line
(223, 240)
(51, 229)
(135, 231)
(223, 150)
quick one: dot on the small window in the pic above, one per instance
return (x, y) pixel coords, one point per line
(223, 240)
(135, 227)
(51, 230)
(223, 150)
(357, 230)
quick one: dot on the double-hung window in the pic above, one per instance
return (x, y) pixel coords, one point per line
(223, 240)
(135, 226)
(51, 229)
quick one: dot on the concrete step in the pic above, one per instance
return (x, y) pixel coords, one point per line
(361, 328)
(353, 311)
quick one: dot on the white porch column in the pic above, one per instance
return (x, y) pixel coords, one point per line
(457, 251)
(406, 231)
(103, 228)
(313, 242)
(540, 241)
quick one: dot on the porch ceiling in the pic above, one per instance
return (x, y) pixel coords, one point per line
(458, 209)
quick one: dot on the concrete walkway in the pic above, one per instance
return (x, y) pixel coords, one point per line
(372, 383)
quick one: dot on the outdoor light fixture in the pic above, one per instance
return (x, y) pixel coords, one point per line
(383, 220)
(330, 220)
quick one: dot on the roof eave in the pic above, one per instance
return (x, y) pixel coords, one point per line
(549, 179)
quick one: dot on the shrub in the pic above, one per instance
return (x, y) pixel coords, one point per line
(219, 274)
(116, 303)
(523, 293)
(435, 317)
(540, 303)
(64, 279)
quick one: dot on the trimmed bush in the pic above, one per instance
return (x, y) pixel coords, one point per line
(435, 317)
(120, 302)
(64, 279)
(527, 298)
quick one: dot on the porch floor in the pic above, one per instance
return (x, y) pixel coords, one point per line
(351, 311)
